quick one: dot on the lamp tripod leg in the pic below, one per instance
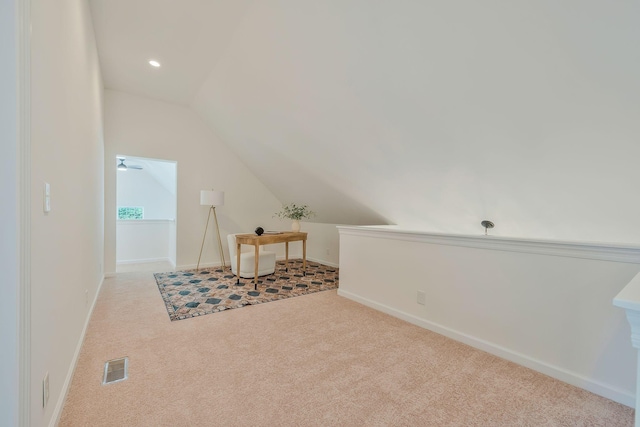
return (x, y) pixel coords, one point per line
(215, 218)
(204, 236)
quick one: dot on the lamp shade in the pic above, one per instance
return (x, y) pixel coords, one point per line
(211, 198)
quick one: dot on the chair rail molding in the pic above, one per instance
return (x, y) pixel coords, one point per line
(584, 250)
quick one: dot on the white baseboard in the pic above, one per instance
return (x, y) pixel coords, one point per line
(322, 261)
(57, 412)
(561, 374)
(142, 261)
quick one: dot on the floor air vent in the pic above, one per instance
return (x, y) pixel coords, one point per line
(115, 370)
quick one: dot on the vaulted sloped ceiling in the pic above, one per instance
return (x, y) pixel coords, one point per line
(431, 115)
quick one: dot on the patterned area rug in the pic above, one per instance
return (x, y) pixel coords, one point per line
(195, 293)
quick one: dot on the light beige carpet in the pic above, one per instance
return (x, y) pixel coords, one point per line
(317, 359)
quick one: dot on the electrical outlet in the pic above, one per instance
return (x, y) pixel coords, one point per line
(327, 251)
(45, 390)
(421, 298)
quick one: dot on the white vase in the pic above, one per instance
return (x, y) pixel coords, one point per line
(295, 225)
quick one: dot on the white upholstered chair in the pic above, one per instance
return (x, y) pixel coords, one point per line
(266, 260)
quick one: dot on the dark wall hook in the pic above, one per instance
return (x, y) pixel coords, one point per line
(487, 224)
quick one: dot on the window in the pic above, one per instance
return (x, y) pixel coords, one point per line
(130, 212)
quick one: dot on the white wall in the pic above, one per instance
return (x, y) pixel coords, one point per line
(140, 241)
(148, 128)
(9, 209)
(172, 243)
(323, 243)
(543, 304)
(437, 115)
(67, 152)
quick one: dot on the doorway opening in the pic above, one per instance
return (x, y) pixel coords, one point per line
(146, 207)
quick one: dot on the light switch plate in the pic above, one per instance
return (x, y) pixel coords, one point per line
(47, 197)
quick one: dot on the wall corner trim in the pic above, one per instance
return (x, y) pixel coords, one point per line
(584, 250)
(24, 147)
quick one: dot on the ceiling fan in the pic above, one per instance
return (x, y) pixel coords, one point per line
(123, 167)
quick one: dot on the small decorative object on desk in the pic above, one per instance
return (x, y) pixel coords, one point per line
(295, 213)
(259, 231)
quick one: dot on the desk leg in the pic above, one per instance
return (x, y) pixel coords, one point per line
(286, 256)
(255, 268)
(238, 263)
(304, 257)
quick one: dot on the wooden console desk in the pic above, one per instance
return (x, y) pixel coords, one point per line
(268, 239)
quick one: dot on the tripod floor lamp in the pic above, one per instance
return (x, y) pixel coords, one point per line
(212, 199)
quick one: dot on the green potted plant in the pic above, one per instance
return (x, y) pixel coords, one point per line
(295, 213)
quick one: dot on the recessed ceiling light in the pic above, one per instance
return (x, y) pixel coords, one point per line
(154, 63)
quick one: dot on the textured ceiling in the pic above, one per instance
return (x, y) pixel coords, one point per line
(432, 115)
